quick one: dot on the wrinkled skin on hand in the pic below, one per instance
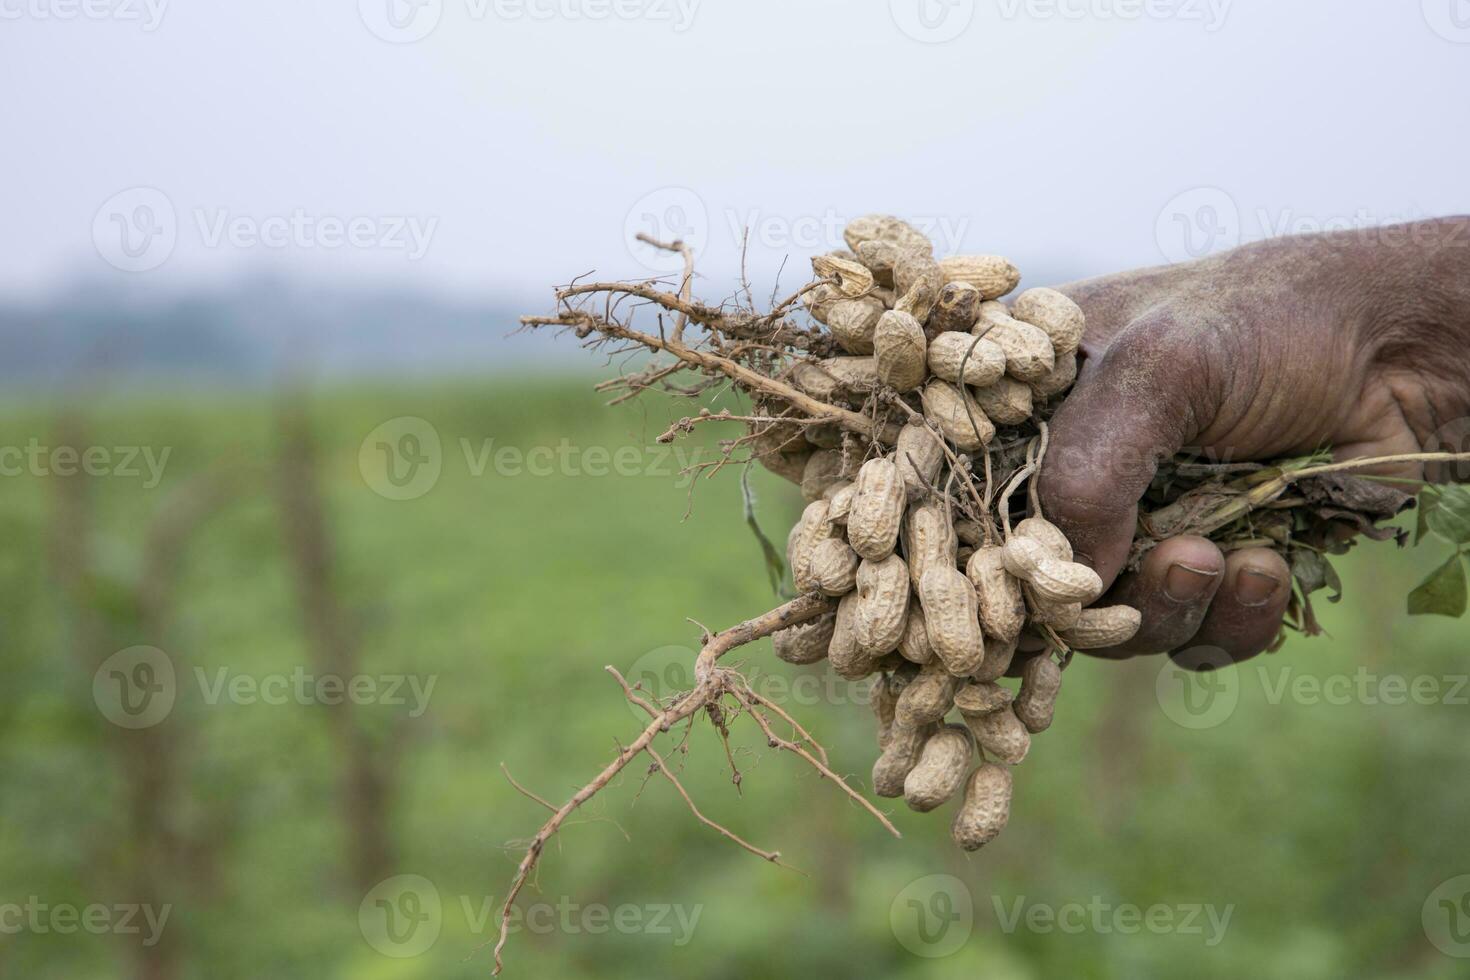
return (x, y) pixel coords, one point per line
(1357, 340)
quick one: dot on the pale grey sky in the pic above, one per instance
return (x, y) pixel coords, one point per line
(520, 142)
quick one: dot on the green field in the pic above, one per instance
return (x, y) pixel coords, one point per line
(1294, 835)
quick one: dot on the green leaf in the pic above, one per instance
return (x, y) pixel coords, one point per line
(775, 567)
(1428, 500)
(1450, 516)
(1443, 593)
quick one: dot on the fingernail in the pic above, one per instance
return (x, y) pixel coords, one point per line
(1185, 584)
(1255, 588)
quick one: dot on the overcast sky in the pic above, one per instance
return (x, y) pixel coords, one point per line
(492, 145)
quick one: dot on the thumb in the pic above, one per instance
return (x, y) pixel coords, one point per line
(1137, 404)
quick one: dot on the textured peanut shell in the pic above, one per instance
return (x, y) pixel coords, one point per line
(1028, 350)
(920, 456)
(940, 772)
(952, 618)
(946, 406)
(874, 519)
(1041, 680)
(1062, 377)
(1097, 629)
(982, 361)
(899, 350)
(928, 697)
(914, 646)
(836, 378)
(900, 755)
(928, 537)
(801, 543)
(993, 275)
(956, 308)
(986, 808)
(834, 567)
(819, 301)
(970, 533)
(883, 605)
(1056, 314)
(1057, 615)
(847, 658)
(1022, 555)
(852, 278)
(882, 698)
(998, 657)
(887, 228)
(1065, 582)
(852, 322)
(998, 593)
(839, 499)
(981, 698)
(825, 469)
(1047, 534)
(806, 643)
(1006, 401)
(1001, 735)
(917, 280)
(880, 257)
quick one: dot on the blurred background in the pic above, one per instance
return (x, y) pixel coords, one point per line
(304, 543)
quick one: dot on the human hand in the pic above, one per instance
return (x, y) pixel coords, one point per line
(1350, 340)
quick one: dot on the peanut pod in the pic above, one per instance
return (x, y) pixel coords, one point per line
(986, 809)
(941, 769)
(992, 275)
(1097, 629)
(983, 362)
(1002, 735)
(1041, 680)
(1056, 314)
(952, 619)
(899, 350)
(876, 513)
(961, 420)
(998, 592)
(882, 605)
(928, 697)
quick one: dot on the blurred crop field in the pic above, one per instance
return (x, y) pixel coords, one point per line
(1301, 817)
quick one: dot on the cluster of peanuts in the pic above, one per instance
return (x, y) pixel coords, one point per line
(934, 604)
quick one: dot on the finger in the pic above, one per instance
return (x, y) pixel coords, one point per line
(1245, 617)
(1172, 589)
(1141, 404)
